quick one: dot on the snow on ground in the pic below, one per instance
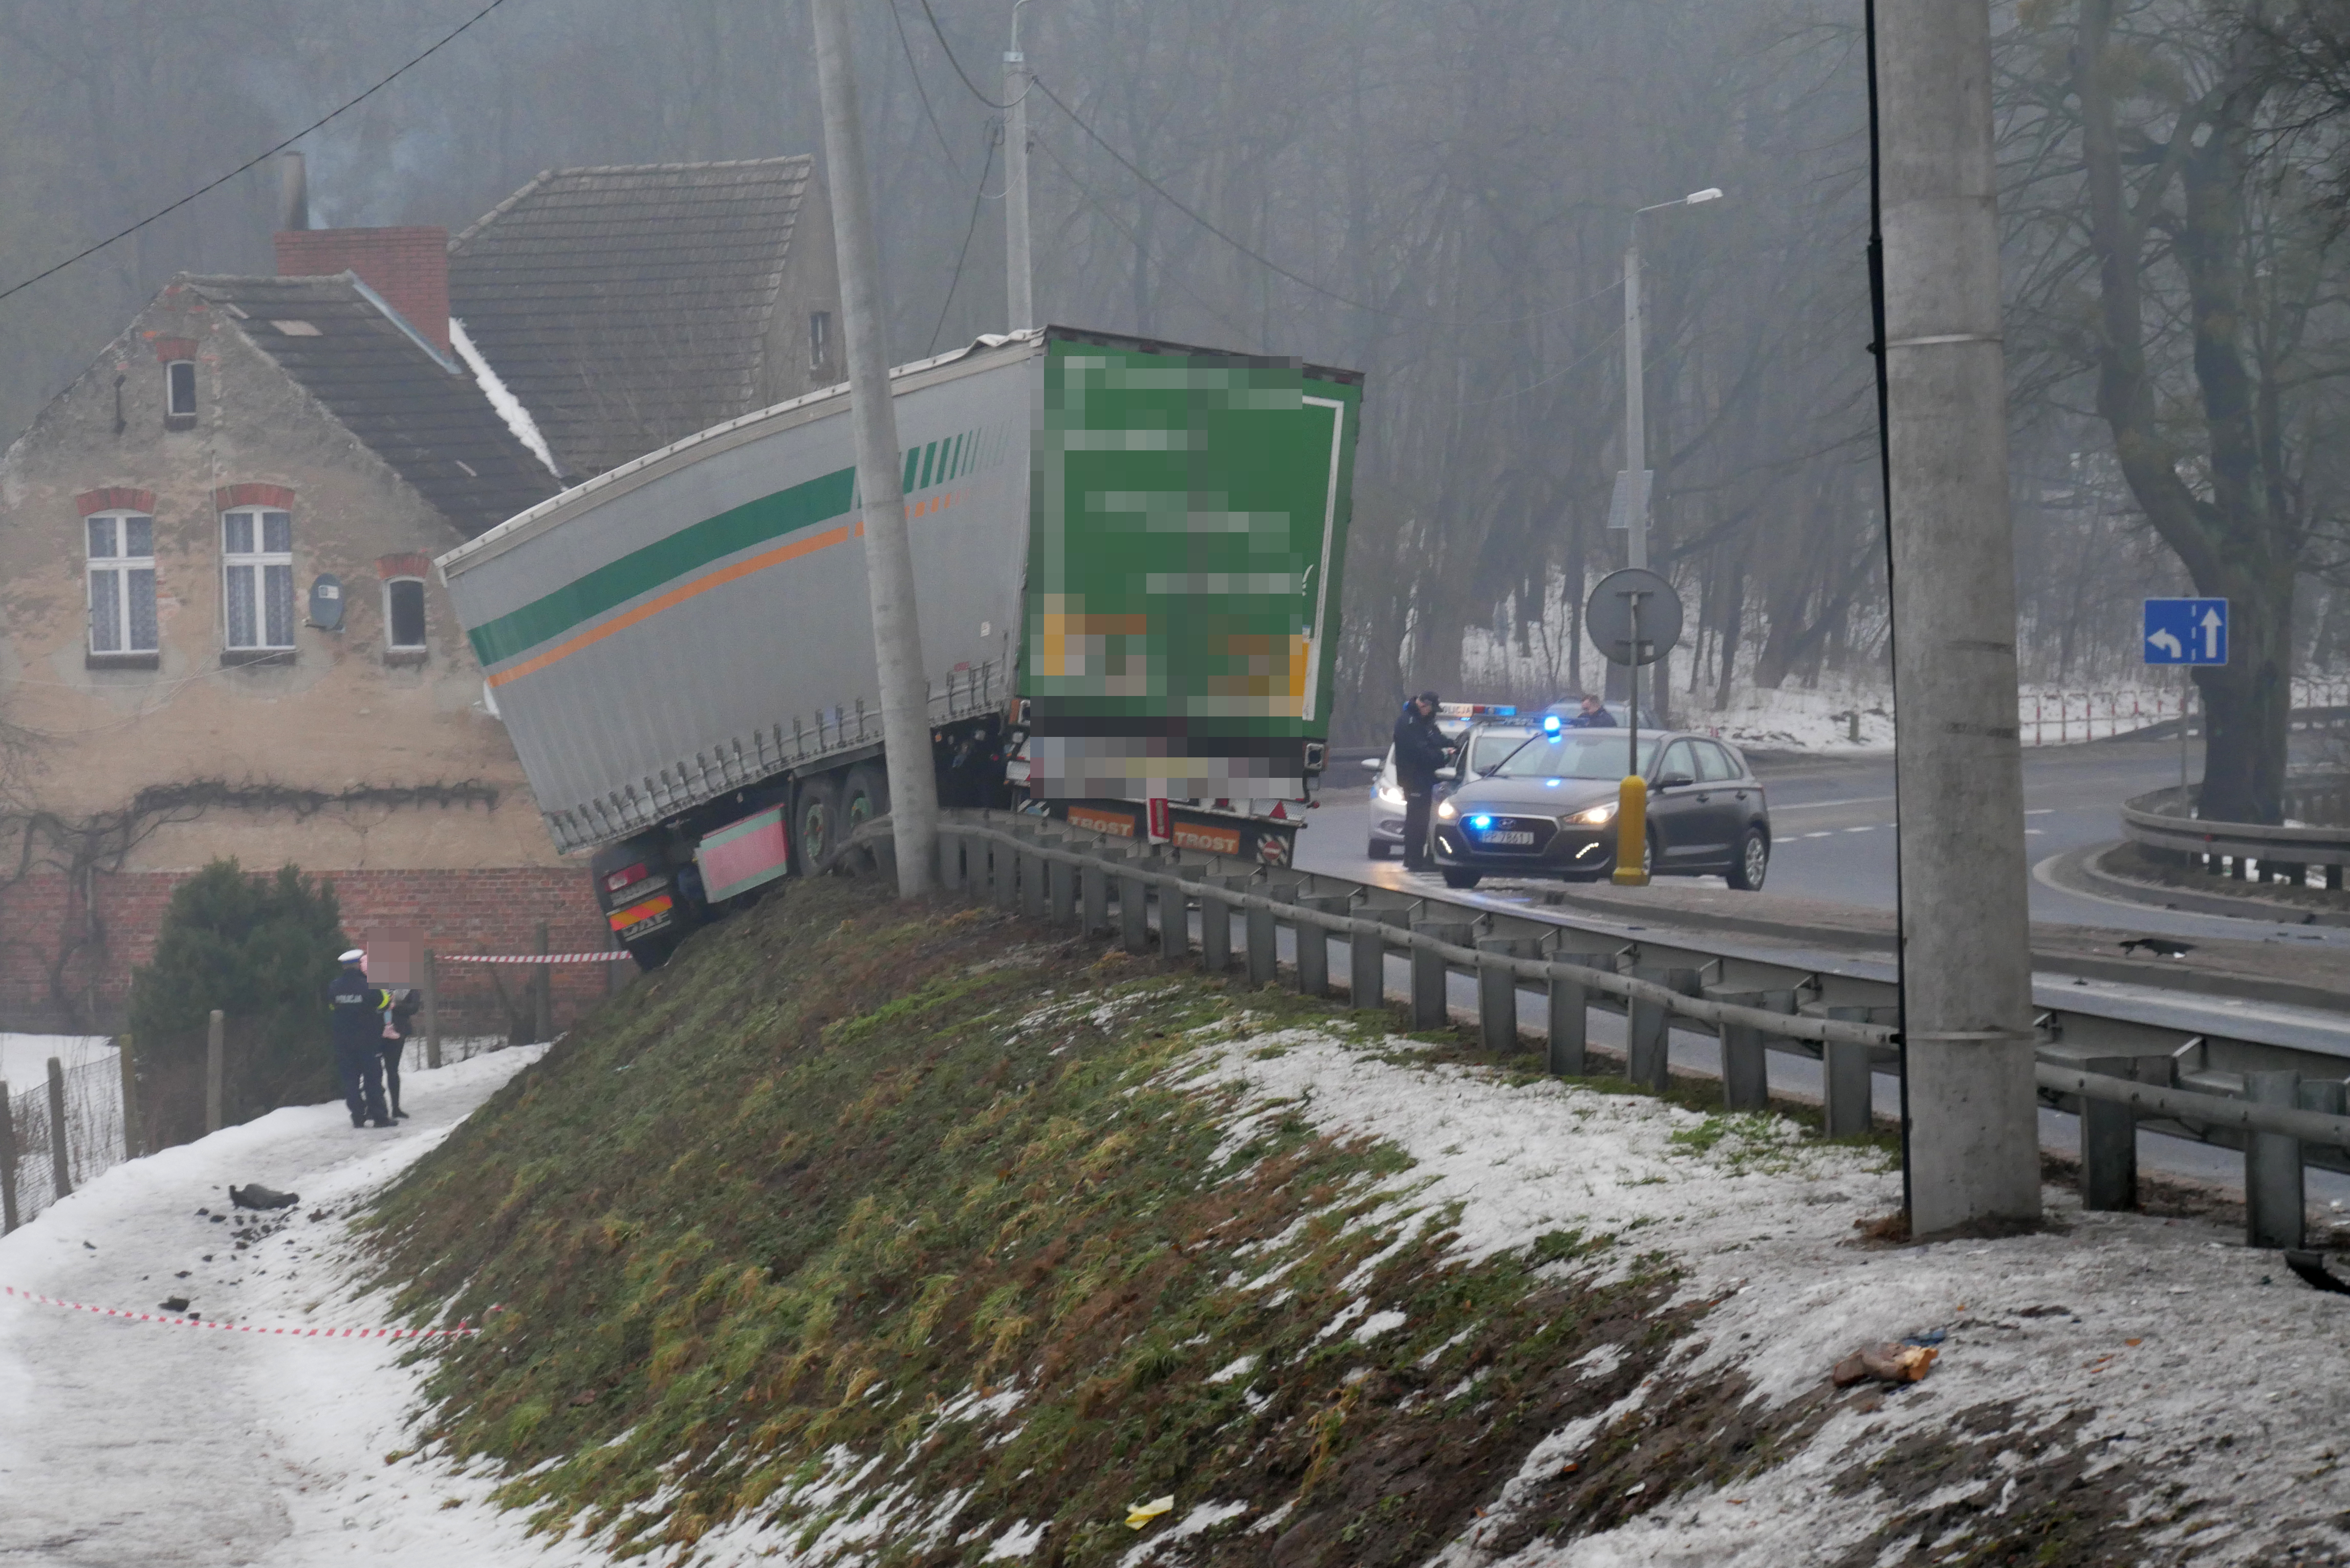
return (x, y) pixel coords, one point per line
(127, 1442)
(2185, 1356)
(24, 1058)
(2202, 1361)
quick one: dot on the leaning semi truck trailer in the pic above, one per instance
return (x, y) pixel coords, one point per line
(1127, 557)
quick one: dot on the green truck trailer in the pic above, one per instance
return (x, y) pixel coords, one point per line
(1127, 557)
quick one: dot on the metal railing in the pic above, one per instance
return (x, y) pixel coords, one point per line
(2281, 1105)
(2249, 851)
(2061, 718)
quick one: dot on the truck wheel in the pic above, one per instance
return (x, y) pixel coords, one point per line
(863, 798)
(815, 821)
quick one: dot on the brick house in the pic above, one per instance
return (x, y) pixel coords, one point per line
(220, 631)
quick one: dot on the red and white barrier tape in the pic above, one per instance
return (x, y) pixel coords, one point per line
(461, 1331)
(608, 956)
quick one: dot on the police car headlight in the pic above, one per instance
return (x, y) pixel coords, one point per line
(1444, 809)
(1392, 795)
(1597, 817)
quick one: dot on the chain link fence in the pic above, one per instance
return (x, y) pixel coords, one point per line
(63, 1129)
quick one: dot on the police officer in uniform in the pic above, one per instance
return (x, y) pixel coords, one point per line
(1421, 750)
(358, 1014)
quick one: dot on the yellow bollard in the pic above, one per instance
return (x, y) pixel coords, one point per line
(1632, 829)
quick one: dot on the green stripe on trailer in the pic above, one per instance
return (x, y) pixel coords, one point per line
(608, 587)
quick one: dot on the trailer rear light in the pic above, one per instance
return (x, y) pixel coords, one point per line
(622, 878)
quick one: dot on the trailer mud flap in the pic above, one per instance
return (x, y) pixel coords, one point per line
(1240, 837)
(1111, 818)
(743, 854)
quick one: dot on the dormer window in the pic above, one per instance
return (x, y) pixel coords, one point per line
(403, 615)
(180, 394)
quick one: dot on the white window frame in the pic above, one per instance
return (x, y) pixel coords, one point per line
(423, 612)
(259, 563)
(172, 409)
(119, 568)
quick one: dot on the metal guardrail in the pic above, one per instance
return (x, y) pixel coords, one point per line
(2249, 851)
(2095, 1065)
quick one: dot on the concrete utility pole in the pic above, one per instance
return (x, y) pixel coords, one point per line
(889, 552)
(1018, 273)
(1974, 1134)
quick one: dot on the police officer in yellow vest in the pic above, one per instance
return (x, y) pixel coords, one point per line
(358, 1010)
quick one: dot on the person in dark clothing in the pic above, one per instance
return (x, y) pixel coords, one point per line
(359, 1010)
(1594, 715)
(1421, 750)
(398, 1023)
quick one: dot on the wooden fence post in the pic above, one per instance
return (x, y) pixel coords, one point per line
(544, 999)
(432, 1011)
(216, 1069)
(60, 1166)
(7, 1160)
(130, 1065)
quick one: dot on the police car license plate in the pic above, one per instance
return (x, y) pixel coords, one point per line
(1508, 836)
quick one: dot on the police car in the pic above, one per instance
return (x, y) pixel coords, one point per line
(1548, 809)
(1497, 733)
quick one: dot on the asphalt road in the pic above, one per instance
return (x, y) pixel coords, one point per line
(1831, 826)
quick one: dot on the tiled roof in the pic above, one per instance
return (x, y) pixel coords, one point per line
(627, 307)
(431, 422)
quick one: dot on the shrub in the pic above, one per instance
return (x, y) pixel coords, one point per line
(261, 949)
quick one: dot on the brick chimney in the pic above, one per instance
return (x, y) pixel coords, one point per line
(408, 267)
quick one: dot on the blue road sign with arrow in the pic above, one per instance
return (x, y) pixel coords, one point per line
(2186, 631)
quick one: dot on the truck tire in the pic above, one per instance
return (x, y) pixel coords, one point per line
(863, 797)
(816, 821)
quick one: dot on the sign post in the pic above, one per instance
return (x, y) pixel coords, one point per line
(1634, 618)
(2187, 633)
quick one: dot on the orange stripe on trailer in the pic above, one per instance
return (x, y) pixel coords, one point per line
(676, 596)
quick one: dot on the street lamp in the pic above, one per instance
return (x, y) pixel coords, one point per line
(1632, 485)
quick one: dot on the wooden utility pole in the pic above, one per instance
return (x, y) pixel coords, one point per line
(888, 551)
(1971, 1110)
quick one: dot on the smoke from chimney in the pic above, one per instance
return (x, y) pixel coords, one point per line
(292, 193)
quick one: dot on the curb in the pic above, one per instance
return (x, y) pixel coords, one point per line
(2080, 871)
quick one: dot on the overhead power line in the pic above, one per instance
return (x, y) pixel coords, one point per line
(1299, 278)
(941, 35)
(258, 159)
(978, 201)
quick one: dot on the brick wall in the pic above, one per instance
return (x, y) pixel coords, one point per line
(478, 912)
(408, 267)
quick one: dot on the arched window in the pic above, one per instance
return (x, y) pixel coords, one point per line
(403, 615)
(121, 548)
(257, 578)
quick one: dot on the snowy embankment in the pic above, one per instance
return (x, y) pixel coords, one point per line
(2148, 1371)
(2156, 1356)
(127, 1442)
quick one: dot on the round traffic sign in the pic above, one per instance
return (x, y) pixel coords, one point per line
(1634, 617)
